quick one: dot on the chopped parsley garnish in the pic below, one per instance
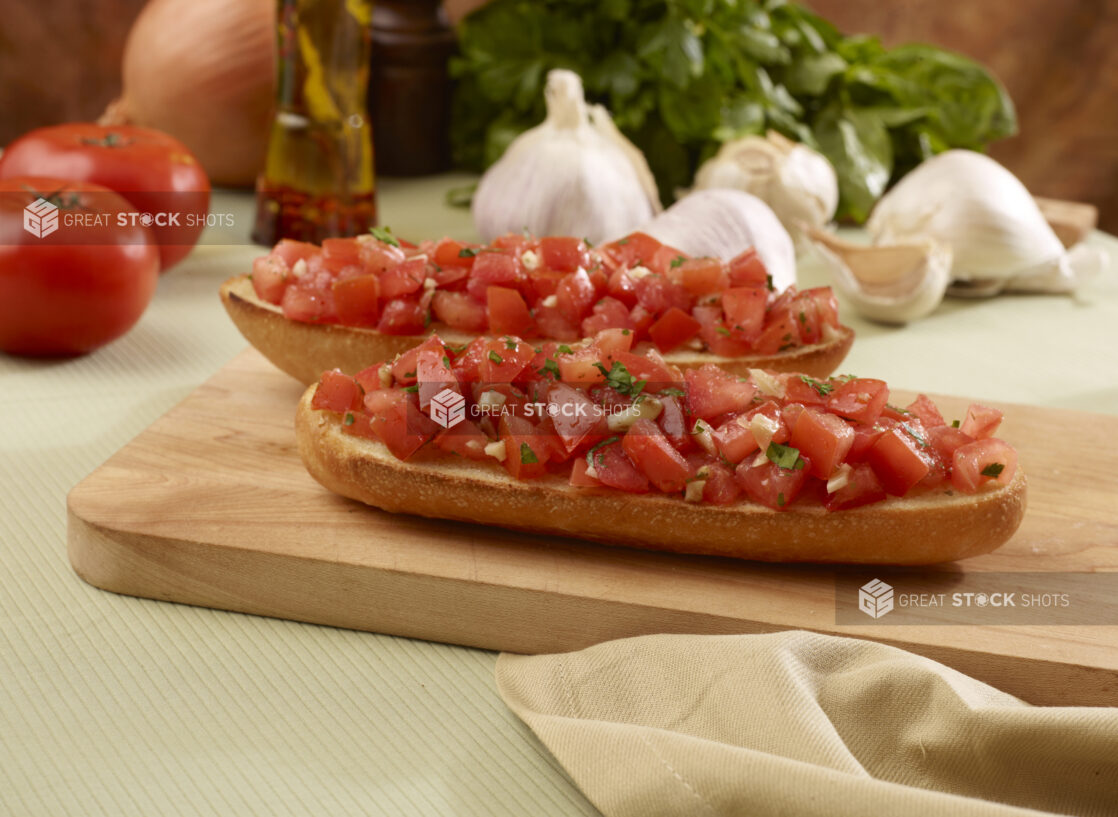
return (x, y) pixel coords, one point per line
(349, 418)
(954, 423)
(384, 235)
(780, 499)
(620, 380)
(897, 409)
(446, 361)
(769, 282)
(563, 349)
(994, 469)
(409, 374)
(588, 242)
(673, 392)
(622, 242)
(601, 457)
(426, 319)
(527, 455)
(467, 252)
(510, 344)
(414, 387)
(821, 388)
(803, 318)
(456, 348)
(496, 358)
(678, 261)
(785, 456)
(550, 367)
(722, 330)
(916, 435)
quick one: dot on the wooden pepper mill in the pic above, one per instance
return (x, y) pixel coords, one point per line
(409, 88)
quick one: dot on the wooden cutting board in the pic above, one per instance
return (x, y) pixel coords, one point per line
(211, 506)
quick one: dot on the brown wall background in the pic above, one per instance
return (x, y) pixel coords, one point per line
(59, 61)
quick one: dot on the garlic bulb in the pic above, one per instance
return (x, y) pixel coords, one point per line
(999, 238)
(798, 183)
(723, 224)
(574, 174)
(894, 283)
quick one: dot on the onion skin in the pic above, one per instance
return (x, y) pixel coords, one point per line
(204, 71)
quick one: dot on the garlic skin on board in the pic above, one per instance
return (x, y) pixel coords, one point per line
(999, 238)
(798, 183)
(724, 223)
(574, 174)
(894, 283)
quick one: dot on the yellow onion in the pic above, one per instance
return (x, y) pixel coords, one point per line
(204, 71)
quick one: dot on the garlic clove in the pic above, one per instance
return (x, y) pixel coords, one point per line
(971, 203)
(896, 283)
(723, 223)
(574, 174)
(798, 183)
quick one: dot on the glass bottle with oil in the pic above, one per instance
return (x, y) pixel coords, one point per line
(318, 179)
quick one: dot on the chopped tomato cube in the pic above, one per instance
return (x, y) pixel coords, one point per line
(403, 279)
(861, 399)
(654, 456)
(608, 313)
(862, 488)
(270, 276)
(611, 466)
(674, 327)
(780, 334)
(397, 421)
(433, 372)
(357, 300)
(339, 253)
(613, 342)
(823, 439)
(622, 287)
(451, 253)
(579, 477)
(658, 294)
(897, 460)
(770, 485)
(734, 440)
(701, 276)
(630, 251)
(493, 269)
(508, 313)
(290, 251)
(673, 423)
(748, 269)
(574, 415)
(377, 257)
(805, 312)
(581, 366)
(720, 487)
(945, 440)
(744, 309)
(574, 296)
(370, 378)
(981, 421)
(465, 439)
(982, 461)
(926, 411)
(712, 392)
(402, 317)
(526, 450)
(505, 358)
(459, 311)
(338, 392)
(563, 253)
(826, 305)
(308, 305)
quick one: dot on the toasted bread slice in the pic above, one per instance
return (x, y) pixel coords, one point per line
(306, 350)
(940, 526)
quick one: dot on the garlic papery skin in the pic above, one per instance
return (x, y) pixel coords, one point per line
(971, 203)
(798, 183)
(895, 283)
(724, 223)
(567, 176)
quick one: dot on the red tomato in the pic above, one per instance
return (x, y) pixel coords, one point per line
(632, 250)
(862, 488)
(702, 276)
(805, 313)
(397, 421)
(926, 411)
(338, 392)
(508, 313)
(270, 276)
(613, 468)
(464, 439)
(154, 172)
(718, 337)
(608, 313)
(823, 439)
(459, 311)
(673, 422)
(744, 308)
(526, 451)
(675, 327)
(981, 421)
(579, 477)
(563, 253)
(357, 300)
(493, 269)
(861, 399)
(720, 487)
(657, 294)
(402, 317)
(897, 460)
(552, 324)
(574, 415)
(780, 334)
(376, 256)
(711, 392)
(432, 371)
(60, 297)
(770, 485)
(369, 379)
(734, 441)
(986, 460)
(826, 305)
(748, 270)
(651, 452)
(581, 366)
(451, 253)
(403, 279)
(574, 296)
(611, 343)
(505, 358)
(339, 253)
(307, 304)
(945, 440)
(622, 287)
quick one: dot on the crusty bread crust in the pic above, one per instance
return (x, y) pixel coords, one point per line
(306, 350)
(928, 529)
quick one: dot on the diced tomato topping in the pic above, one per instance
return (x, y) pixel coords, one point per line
(613, 342)
(925, 411)
(308, 305)
(290, 251)
(612, 467)
(370, 378)
(654, 456)
(433, 372)
(581, 366)
(563, 254)
(397, 421)
(779, 335)
(339, 253)
(734, 440)
(981, 421)
(464, 439)
(711, 392)
(508, 313)
(826, 305)
(574, 296)
(674, 328)
(622, 287)
(632, 250)
(459, 311)
(748, 270)
(744, 310)
(574, 415)
(608, 313)
(493, 269)
(402, 280)
(357, 300)
(377, 257)
(504, 360)
(823, 439)
(897, 460)
(269, 278)
(719, 486)
(805, 313)
(579, 477)
(982, 461)
(770, 485)
(702, 276)
(861, 399)
(337, 392)
(945, 440)
(862, 488)
(526, 451)
(673, 422)
(451, 253)
(402, 317)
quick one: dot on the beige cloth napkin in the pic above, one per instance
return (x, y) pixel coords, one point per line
(798, 723)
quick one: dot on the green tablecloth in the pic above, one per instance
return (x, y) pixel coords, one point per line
(120, 706)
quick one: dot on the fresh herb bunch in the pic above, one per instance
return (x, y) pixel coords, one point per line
(682, 76)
